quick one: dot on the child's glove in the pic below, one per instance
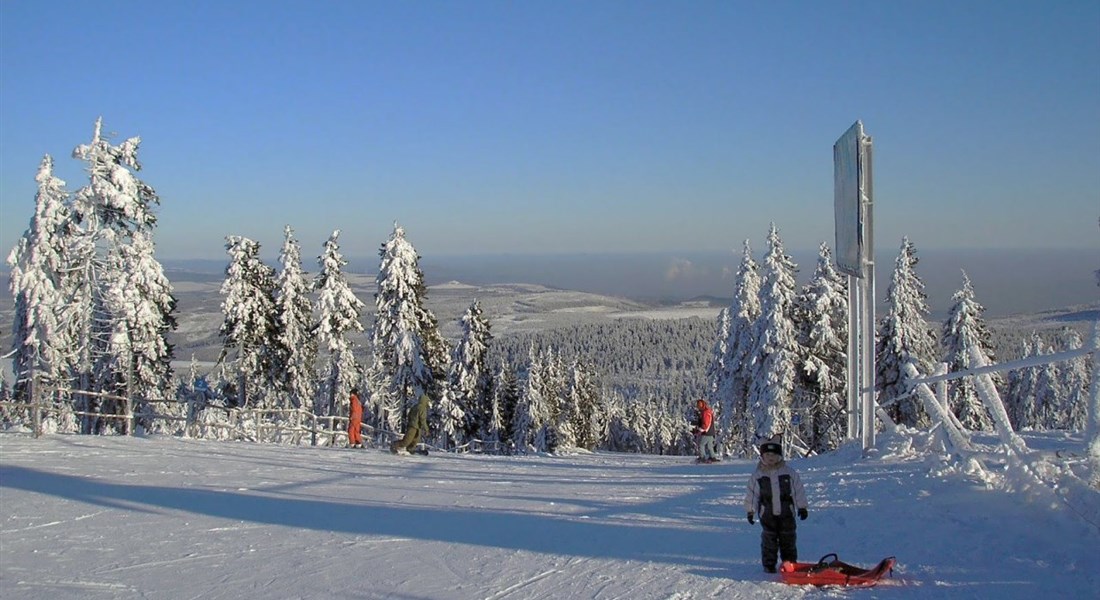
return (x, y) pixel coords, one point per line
(803, 513)
(751, 519)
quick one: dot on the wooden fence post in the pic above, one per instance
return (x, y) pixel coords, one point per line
(36, 409)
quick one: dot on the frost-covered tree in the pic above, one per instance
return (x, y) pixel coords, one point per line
(114, 216)
(904, 337)
(339, 313)
(470, 376)
(295, 326)
(1022, 384)
(248, 330)
(408, 351)
(1049, 410)
(140, 296)
(775, 355)
(1076, 378)
(585, 423)
(965, 329)
(450, 421)
(739, 432)
(40, 342)
(822, 316)
(718, 371)
(507, 398)
(524, 419)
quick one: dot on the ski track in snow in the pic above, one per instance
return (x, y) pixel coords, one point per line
(163, 518)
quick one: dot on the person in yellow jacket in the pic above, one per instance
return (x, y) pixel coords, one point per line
(775, 493)
(416, 429)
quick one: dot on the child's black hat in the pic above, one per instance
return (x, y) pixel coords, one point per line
(772, 447)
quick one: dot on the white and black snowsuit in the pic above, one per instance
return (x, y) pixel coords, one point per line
(774, 494)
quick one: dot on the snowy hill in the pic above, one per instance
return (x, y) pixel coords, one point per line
(511, 308)
(111, 517)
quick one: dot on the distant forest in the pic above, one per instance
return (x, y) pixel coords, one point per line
(668, 359)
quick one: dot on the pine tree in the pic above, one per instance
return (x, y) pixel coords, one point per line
(249, 327)
(1048, 406)
(718, 370)
(822, 317)
(295, 326)
(40, 342)
(1076, 378)
(525, 417)
(775, 354)
(507, 399)
(407, 348)
(585, 421)
(536, 401)
(115, 220)
(744, 312)
(963, 330)
(470, 377)
(138, 352)
(451, 420)
(339, 316)
(1022, 384)
(903, 337)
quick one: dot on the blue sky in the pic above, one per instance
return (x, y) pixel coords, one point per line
(562, 127)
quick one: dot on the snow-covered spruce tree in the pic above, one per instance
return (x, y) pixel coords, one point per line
(1075, 377)
(615, 414)
(408, 351)
(719, 372)
(450, 419)
(535, 409)
(554, 387)
(114, 216)
(507, 398)
(904, 337)
(248, 330)
(470, 376)
(295, 326)
(138, 352)
(775, 355)
(739, 433)
(339, 313)
(493, 429)
(1049, 409)
(822, 316)
(586, 424)
(1022, 385)
(40, 343)
(523, 425)
(963, 330)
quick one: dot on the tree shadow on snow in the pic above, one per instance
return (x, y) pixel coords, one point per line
(513, 529)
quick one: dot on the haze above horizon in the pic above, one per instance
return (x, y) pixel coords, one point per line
(492, 127)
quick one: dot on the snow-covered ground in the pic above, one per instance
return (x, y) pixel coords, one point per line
(114, 517)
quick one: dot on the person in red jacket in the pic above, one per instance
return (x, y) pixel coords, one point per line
(355, 420)
(704, 430)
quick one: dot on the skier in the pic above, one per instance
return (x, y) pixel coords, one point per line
(417, 426)
(775, 492)
(704, 432)
(355, 420)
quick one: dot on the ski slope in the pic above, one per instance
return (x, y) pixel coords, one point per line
(110, 517)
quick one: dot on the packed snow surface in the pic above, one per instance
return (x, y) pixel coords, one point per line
(114, 517)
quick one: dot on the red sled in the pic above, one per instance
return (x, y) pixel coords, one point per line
(831, 571)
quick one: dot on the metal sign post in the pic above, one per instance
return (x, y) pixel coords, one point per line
(852, 205)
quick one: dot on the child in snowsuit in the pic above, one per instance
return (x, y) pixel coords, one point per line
(416, 427)
(774, 493)
(355, 420)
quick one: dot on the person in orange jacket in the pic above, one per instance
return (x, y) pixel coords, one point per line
(704, 429)
(355, 420)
